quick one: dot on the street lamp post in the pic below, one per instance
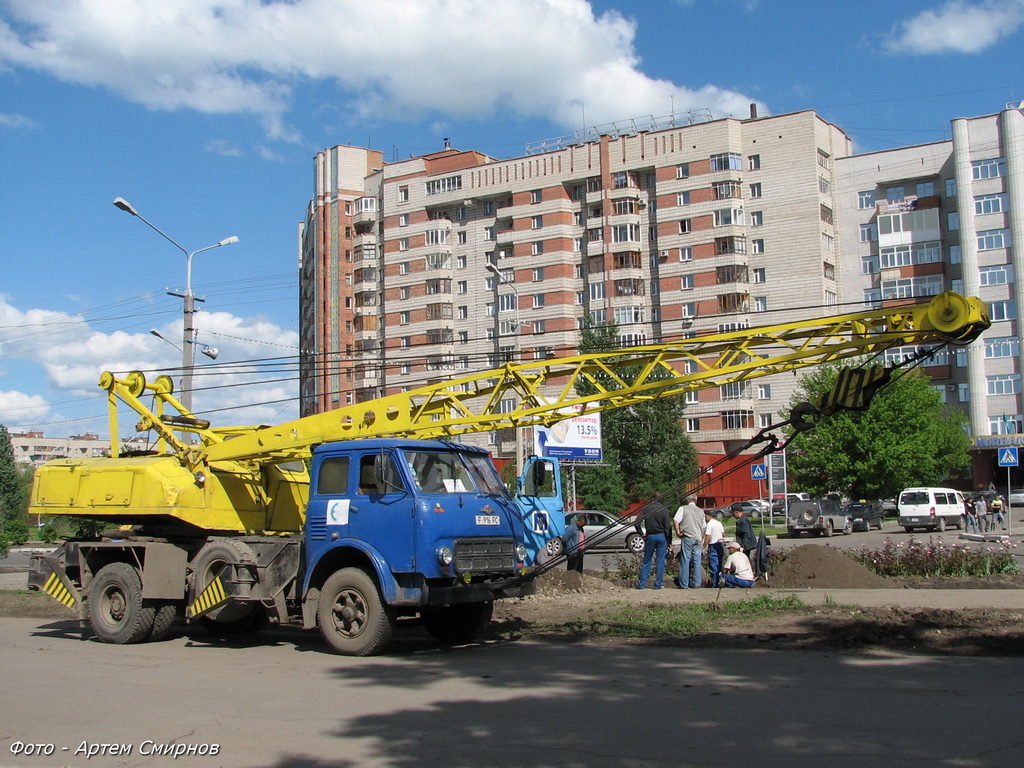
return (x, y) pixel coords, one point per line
(188, 336)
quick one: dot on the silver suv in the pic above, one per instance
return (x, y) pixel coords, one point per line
(823, 517)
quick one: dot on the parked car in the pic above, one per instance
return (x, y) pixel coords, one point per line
(822, 517)
(1017, 497)
(620, 531)
(751, 508)
(933, 509)
(866, 515)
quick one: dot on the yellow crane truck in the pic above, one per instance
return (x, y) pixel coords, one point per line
(348, 519)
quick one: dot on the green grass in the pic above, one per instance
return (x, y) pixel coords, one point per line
(686, 620)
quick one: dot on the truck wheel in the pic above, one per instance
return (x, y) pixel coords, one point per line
(353, 617)
(232, 618)
(116, 612)
(163, 617)
(458, 623)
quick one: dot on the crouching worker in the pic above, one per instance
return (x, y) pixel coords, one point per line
(737, 571)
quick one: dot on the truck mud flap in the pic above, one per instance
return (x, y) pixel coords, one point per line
(47, 575)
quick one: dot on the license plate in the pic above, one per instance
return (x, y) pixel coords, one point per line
(488, 520)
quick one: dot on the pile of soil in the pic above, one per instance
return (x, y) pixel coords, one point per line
(812, 566)
(559, 581)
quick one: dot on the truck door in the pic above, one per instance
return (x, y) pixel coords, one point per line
(361, 496)
(540, 504)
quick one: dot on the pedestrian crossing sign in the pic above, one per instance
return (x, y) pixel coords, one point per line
(1007, 457)
(757, 472)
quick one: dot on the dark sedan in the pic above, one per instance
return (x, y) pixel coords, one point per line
(866, 515)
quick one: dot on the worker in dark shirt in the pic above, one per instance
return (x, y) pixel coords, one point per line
(744, 532)
(656, 541)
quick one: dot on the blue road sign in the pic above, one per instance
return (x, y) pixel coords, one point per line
(757, 472)
(1007, 457)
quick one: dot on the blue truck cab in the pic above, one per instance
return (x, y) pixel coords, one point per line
(417, 526)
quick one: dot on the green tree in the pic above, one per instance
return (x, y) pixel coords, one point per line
(645, 447)
(906, 437)
(13, 495)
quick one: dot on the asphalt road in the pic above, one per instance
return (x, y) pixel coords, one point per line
(286, 703)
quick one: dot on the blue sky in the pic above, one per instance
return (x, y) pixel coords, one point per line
(205, 115)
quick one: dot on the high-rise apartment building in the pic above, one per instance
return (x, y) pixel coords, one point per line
(919, 220)
(429, 268)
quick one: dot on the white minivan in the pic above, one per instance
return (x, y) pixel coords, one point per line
(934, 509)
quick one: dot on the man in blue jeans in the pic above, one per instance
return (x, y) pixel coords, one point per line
(689, 525)
(659, 533)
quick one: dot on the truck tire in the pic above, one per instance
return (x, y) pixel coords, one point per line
(163, 617)
(352, 615)
(458, 623)
(232, 618)
(116, 611)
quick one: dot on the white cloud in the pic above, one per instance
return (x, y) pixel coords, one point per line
(223, 148)
(957, 27)
(17, 121)
(20, 408)
(402, 60)
(65, 357)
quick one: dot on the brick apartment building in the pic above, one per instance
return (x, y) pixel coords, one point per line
(456, 262)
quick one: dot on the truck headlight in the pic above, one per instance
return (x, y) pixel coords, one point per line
(444, 555)
(521, 552)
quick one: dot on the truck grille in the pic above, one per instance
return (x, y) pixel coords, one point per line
(485, 555)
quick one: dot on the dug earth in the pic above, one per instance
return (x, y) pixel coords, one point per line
(589, 608)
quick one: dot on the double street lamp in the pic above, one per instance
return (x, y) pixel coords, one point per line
(188, 337)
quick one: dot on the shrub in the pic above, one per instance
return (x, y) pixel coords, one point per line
(49, 533)
(919, 559)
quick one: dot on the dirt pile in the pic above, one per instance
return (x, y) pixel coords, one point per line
(813, 566)
(562, 582)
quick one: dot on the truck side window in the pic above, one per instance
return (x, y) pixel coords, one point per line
(333, 478)
(374, 481)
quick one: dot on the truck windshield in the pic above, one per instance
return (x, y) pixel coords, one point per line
(485, 475)
(437, 472)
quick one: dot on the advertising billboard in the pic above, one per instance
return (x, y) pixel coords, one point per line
(576, 437)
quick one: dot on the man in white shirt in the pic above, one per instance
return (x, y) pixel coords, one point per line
(714, 536)
(737, 571)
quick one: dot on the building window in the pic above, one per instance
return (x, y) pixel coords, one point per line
(990, 204)
(728, 216)
(912, 287)
(403, 194)
(686, 253)
(538, 274)
(460, 262)
(727, 161)
(626, 233)
(828, 270)
(991, 239)
(405, 292)
(894, 194)
(869, 232)
(403, 318)
(1002, 310)
(869, 264)
(537, 248)
(403, 220)
(753, 162)
(577, 244)
(737, 419)
(756, 218)
(764, 391)
(536, 222)
(440, 186)
(953, 221)
(403, 268)
(685, 226)
(908, 255)
(757, 246)
(760, 303)
(1000, 274)
(689, 309)
(692, 424)
(686, 283)
(538, 326)
(925, 188)
(538, 300)
(536, 196)
(824, 186)
(988, 169)
(595, 235)
(826, 214)
(828, 242)
(755, 190)
(734, 390)
(683, 171)
(950, 187)
(692, 397)
(866, 199)
(596, 291)
(683, 198)
(1002, 346)
(403, 244)
(831, 298)
(759, 274)
(1004, 384)
(823, 159)
(726, 190)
